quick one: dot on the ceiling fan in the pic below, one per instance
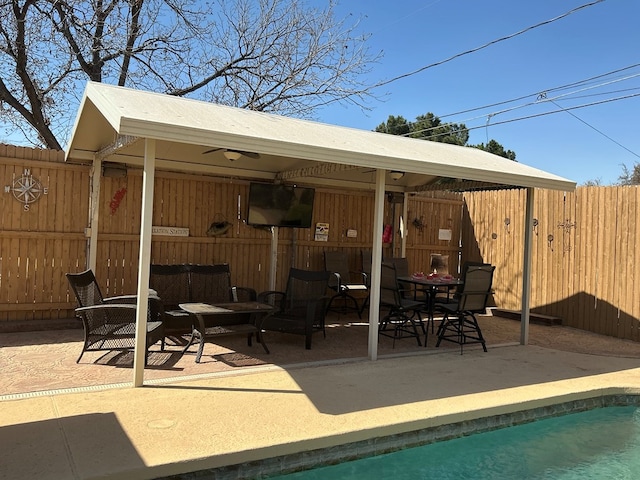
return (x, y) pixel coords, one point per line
(232, 154)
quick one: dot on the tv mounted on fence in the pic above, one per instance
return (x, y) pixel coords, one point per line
(272, 205)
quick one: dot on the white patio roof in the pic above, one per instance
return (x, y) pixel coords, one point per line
(155, 131)
(112, 120)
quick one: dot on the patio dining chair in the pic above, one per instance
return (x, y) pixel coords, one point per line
(301, 309)
(404, 314)
(459, 324)
(407, 290)
(452, 295)
(340, 281)
(365, 256)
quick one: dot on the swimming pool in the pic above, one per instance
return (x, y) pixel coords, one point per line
(600, 443)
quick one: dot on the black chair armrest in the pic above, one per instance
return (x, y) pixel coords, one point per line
(108, 307)
(123, 312)
(335, 281)
(121, 299)
(243, 294)
(272, 297)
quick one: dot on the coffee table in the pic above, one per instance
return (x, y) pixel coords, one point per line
(221, 319)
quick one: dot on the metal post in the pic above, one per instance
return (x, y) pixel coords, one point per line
(376, 265)
(144, 261)
(526, 268)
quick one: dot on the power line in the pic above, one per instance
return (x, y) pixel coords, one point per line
(605, 93)
(473, 50)
(594, 128)
(528, 117)
(540, 98)
(523, 97)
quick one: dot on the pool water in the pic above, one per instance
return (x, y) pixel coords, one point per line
(603, 443)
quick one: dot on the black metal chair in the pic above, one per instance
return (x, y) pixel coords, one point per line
(337, 263)
(87, 291)
(400, 321)
(365, 256)
(212, 284)
(408, 290)
(459, 324)
(110, 323)
(452, 295)
(301, 309)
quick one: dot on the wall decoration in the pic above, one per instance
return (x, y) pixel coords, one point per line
(117, 198)
(387, 234)
(219, 226)
(26, 188)
(322, 232)
(170, 231)
(444, 234)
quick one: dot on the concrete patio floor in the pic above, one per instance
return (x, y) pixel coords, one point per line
(46, 360)
(225, 415)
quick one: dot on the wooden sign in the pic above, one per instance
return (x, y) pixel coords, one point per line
(171, 231)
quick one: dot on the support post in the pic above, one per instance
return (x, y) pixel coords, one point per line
(376, 265)
(94, 214)
(273, 264)
(144, 261)
(526, 268)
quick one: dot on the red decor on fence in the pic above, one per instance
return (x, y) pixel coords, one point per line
(117, 198)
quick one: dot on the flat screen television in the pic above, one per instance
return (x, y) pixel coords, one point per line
(274, 205)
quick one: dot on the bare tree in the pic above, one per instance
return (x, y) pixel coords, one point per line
(269, 55)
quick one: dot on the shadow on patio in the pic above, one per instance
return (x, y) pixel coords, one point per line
(41, 361)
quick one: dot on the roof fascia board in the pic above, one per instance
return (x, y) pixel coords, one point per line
(536, 178)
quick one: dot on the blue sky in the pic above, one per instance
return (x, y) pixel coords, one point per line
(591, 42)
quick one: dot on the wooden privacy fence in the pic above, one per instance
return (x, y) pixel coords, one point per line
(585, 266)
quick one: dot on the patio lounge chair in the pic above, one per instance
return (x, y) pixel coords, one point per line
(459, 324)
(301, 309)
(87, 291)
(110, 323)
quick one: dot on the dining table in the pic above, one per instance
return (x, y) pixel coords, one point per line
(431, 285)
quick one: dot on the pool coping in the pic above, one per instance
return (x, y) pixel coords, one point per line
(478, 421)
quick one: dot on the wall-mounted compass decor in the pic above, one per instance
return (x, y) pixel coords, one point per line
(26, 188)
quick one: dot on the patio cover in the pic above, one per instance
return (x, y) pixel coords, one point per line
(151, 130)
